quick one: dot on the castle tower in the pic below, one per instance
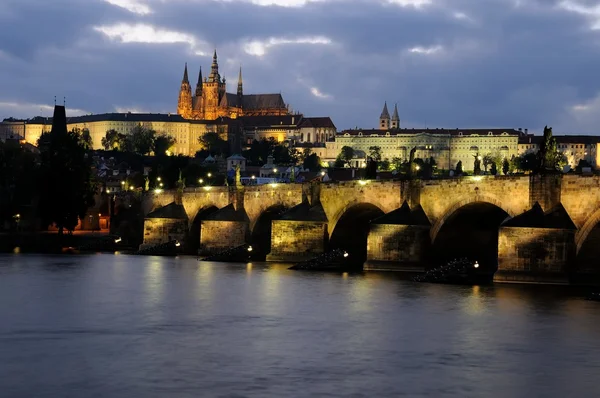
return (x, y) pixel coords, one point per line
(240, 90)
(184, 104)
(212, 91)
(199, 84)
(384, 119)
(395, 118)
(214, 76)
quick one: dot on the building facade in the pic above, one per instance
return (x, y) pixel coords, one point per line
(574, 147)
(211, 100)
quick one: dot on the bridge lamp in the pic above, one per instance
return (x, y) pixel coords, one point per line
(201, 181)
(177, 244)
(345, 254)
(253, 177)
(209, 175)
(249, 248)
(131, 188)
(476, 265)
(118, 240)
(158, 179)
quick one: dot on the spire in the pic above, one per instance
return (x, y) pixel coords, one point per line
(240, 91)
(199, 85)
(395, 116)
(214, 70)
(385, 114)
(185, 75)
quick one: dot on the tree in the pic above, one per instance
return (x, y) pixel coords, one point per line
(526, 162)
(487, 161)
(112, 140)
(312, 162)
(86, 139)
(66, 184)
(384, 165)
(346, 155)
(339, 163)
(213, 142)
(396, 164)
(306, 152)
(375, 153)
(18, 181)
(505, 166)
(162, 143)
(141, 140)
(459, 168)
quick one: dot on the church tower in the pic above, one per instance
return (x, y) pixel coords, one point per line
(395, 118)
(384, 119)
(197, 102)
(184, 104)
(240, 90)
(213, 90)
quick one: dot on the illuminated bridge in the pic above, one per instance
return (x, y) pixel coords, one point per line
(528, 227)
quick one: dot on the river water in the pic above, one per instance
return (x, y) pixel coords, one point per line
(129, 326)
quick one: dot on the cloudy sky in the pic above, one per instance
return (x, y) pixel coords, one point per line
(446, 63)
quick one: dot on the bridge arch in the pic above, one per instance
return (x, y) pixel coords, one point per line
(195, 227)
(464, 201)
(350, 228)
(584, 232)
(469, 229)
(260, 230)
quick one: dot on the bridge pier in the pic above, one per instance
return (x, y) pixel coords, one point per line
(398, 241)
(299, 234)
(224, 229)
(536, 247)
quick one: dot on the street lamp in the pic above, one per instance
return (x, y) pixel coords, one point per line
(158, 179)
(209, 175)
(200, 180)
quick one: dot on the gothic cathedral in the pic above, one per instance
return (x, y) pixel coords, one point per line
(211, 100)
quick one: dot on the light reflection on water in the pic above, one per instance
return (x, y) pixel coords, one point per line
(124, 326)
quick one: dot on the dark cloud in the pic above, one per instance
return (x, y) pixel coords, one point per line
(490, 63)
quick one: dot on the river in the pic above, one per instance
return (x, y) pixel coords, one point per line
(131, 326)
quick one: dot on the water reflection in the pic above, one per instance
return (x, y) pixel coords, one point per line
(140, 326)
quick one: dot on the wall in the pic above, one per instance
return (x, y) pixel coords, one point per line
(216, 236)
(535, 250)
(162, 230)
(406, 244)
(297, 240)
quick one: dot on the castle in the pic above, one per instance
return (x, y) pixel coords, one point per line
(211, 100)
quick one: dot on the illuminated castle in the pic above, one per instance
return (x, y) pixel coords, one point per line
(211, 100)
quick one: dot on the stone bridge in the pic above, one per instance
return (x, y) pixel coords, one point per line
(524, 226)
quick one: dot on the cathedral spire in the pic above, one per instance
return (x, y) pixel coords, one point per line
(214, 70)
(185, 75)
(240, 90)
(199, 85)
